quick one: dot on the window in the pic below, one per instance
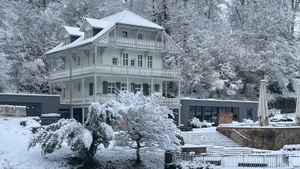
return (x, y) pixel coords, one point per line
(214, 114)
(192, 112)
(207, 114)
(95, 31)
(125, 59)
(199, 113)
(125, 34)
(78, 61)
(235, 112)
(140, 36)
(132, 62)
(222, 110)
(123, 86)
(73, 38)
(94, 58)
(111, 87)
(78, 86)
(138, 87)
(228, 110)
(149, 61)
(140, 60)
(91, 89)
(115, 61)
(249, 112)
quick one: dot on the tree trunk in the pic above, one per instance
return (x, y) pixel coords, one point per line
(138, 157)
(91, 151)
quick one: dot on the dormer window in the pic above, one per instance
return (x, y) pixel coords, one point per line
(73, 38)
(70, 39)
(96, 31)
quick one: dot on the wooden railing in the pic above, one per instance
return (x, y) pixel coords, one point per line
(110, 69)
(103, 99)
(137, 43)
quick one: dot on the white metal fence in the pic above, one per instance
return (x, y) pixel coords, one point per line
(253, 161)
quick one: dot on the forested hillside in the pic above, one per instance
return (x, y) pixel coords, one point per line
(228, 45)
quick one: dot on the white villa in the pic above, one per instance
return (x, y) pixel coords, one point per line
(123, 51)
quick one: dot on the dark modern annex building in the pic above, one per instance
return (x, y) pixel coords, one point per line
(36, 104)
(208, 109)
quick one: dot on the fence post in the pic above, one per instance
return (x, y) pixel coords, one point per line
(169, 162)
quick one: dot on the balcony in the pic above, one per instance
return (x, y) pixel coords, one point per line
(103, 99)
(115, 70)
(135, 43)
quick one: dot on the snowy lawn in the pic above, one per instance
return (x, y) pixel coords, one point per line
(14, 155)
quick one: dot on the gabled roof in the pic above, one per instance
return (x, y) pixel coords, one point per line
(129, 18)
(95, 23)
(125, 17)
(80, 41)
(73, 31)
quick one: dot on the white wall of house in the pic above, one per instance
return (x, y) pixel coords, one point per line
(110, 53)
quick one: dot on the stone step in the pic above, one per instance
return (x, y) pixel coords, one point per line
(211, 137)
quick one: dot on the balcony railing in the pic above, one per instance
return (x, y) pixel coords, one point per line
(103, 99)
(121, 70)
(137, 43)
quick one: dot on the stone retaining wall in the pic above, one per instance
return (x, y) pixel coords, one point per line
(9, 110)
(268, 138)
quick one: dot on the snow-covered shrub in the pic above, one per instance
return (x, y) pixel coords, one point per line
(146, 124)
(205, 124)
(195, 164)
(273, 112)
(195, 122)
(248, 121)
(83, 139)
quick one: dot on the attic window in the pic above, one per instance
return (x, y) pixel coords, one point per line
(95, 31)
(73, 38)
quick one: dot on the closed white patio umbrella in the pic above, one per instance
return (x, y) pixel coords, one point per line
(297, 113)
(263, 116)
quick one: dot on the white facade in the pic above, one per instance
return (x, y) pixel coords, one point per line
(119, 52)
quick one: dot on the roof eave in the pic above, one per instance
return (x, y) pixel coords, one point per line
(118, 23)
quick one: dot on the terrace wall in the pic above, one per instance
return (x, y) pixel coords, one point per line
(268, 138)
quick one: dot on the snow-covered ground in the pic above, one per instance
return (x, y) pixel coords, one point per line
(14, 155)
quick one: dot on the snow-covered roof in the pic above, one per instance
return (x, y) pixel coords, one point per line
(129, 18)
(95, 23)
(73, 31)
(125, 17)
(80, 41)
(215, 100)
(27, 94)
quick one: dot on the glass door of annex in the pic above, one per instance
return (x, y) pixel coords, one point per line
(210, 114)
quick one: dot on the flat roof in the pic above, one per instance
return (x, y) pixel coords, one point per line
(217, 100)
(28, 94)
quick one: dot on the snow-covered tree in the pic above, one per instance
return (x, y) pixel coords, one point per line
(83, 139)
(146, 124)
(99, 122)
